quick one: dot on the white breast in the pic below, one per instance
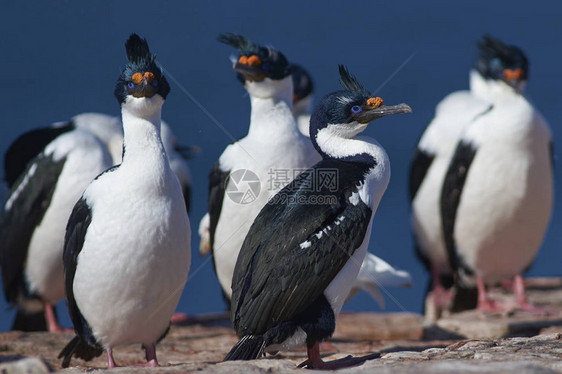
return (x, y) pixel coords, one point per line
(275, 153)
(507, 199)
(453, 114)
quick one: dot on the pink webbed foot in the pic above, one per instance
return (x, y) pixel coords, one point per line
(315, 362)
(151, 360)
(179, 317)
(521, 300)
(51, 319)
(441, 297)
(110, 361)
(151, 363)
(484, 303)
(490, 306)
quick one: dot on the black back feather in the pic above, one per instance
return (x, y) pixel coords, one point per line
(302, 82)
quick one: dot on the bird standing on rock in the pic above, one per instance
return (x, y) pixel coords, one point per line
(305, 248)
(127, 244)
(497, 194)
(427, 172)
(273, 145)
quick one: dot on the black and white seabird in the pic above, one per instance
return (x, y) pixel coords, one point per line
(273, 152)
(498, 190)
(127, 244)
(304, 249)
(47, 170)
(375, 272)
(427, 172)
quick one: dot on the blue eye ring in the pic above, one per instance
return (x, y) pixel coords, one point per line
(356, 109)
(266, 66)
(131, 85)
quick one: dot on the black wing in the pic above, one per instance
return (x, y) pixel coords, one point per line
(27, 203)
(451, 194)
(26, 147)
(76, 229)
(217, 186)
(84, 345)
(418, 169)
(275, 277)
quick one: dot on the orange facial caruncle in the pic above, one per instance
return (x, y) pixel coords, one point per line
(374, 102)
(253, 60)
(149, 77)
(136, 78)
(513, 74)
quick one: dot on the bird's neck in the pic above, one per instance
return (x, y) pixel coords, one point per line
(490, 89)
(272, 116)
(141, 141)
(360, 149)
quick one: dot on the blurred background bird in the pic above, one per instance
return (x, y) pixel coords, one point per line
(46, 169)
(497, 194)
(427, 172)
(273, 151)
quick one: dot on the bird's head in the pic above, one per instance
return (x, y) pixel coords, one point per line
(302, 83)
(262, 70)
(302, 90)
(502, 62)
(141, 85)
(346, 113)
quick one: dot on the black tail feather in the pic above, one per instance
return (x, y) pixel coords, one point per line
(79, 348)
(30, 321)
(249, 347)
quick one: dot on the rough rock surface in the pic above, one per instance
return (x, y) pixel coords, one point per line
(389, 343)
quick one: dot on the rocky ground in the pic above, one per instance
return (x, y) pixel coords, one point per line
(468, 342)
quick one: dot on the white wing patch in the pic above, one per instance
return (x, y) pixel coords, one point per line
(21, 186)
(354, 198)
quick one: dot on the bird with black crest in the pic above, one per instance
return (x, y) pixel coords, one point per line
(305, 248)
(127, 245)
(497, 195)
(252, 169)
